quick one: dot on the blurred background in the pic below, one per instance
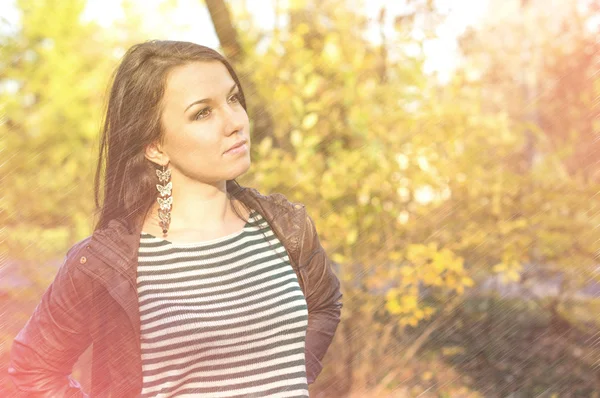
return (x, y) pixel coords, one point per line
(448, 152)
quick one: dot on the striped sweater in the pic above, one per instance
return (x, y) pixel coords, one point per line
(221, 318)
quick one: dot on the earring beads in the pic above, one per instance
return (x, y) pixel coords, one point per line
(166, 200)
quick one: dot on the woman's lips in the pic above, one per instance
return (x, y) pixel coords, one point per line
(240, 149)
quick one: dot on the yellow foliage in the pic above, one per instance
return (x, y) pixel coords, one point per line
(409, 303)
(310, 121)
(311, 86)
(352, 236)
(510, 276)
(301, 28)
(428, 311)
(393, 307)
(265, 146)
(416, 253)
(500, 267)
(339, 258)
(296, 138)
(466, 281)
(331, 50)
(395, 255)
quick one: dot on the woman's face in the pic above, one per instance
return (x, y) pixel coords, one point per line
(202, 118)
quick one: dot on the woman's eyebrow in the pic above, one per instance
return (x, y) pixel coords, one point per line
(204, 100)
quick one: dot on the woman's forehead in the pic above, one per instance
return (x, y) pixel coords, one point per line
(198, 80)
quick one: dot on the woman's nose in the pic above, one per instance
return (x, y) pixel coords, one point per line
(234, 118)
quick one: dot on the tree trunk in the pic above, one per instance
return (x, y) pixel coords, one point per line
(257, 106)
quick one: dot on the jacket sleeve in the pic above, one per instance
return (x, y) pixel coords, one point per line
(323, 300)
(44, 351)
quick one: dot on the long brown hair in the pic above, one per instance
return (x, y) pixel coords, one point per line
(132, 122)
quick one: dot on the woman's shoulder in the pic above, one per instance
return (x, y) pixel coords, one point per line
(79, 246)
(283, 200)
(76, 254)
(274, 197)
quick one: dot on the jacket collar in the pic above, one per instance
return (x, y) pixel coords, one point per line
(117, 244)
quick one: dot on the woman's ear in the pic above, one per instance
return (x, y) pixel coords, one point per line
(155, 154)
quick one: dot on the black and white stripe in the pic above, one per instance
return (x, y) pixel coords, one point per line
(221, 318)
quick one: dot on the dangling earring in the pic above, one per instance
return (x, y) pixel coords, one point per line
(164, 211)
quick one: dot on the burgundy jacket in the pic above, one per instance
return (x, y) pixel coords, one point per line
(93, 300)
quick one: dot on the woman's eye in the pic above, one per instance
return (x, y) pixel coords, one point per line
(203, 113)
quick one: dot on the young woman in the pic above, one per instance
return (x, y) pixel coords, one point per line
(190, 285)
